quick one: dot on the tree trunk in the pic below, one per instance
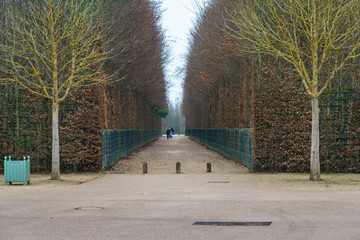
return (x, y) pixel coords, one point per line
(240, 112)
(105, 100)
(113, 123)
(17, 131)
(129, 108)
(315, 139)
(55, 164)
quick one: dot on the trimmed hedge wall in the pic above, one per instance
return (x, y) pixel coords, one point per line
(282, 126)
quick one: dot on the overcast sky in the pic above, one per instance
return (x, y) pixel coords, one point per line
(178, 18)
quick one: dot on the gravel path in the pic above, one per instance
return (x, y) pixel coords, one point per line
(162, 155)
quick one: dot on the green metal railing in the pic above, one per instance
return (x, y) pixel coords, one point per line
(118, 143)
(234, 143)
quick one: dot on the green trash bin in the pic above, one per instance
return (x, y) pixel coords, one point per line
(17, 171)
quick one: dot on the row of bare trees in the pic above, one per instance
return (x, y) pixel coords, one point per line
(136, 100)
(81, 67)
(249, 64)
(217, 76)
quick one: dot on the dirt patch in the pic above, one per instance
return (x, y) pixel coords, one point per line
(67, 180)
(301, 182)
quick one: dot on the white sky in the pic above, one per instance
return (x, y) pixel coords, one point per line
(177, 20)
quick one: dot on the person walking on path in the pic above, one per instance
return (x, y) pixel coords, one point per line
(168, 131)
(172, 132)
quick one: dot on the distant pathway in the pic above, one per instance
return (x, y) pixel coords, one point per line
(163, 154)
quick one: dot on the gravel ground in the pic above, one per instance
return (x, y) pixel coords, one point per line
(162, 155)
(44, 181)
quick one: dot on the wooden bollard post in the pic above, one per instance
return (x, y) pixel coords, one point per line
(145, 168)
(208, 166)
(178, 167)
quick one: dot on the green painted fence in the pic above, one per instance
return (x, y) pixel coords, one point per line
(234, 143)
(118, 143)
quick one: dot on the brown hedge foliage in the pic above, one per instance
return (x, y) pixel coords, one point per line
(81, 131)
(282, 123)
(353, 146)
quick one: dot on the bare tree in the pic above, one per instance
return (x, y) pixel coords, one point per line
(317, 37)
(135, 26)
(51, 48)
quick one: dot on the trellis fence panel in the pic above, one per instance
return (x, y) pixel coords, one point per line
(234, 143)
(118, 143)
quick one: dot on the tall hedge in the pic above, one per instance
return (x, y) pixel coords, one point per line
(135, 41)
(228, 89)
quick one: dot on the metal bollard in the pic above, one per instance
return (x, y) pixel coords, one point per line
(145, 167)
(208, 166)
(178, 167)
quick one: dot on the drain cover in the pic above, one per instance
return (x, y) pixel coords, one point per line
(246, 224)
(89, 208)
(218, 182)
